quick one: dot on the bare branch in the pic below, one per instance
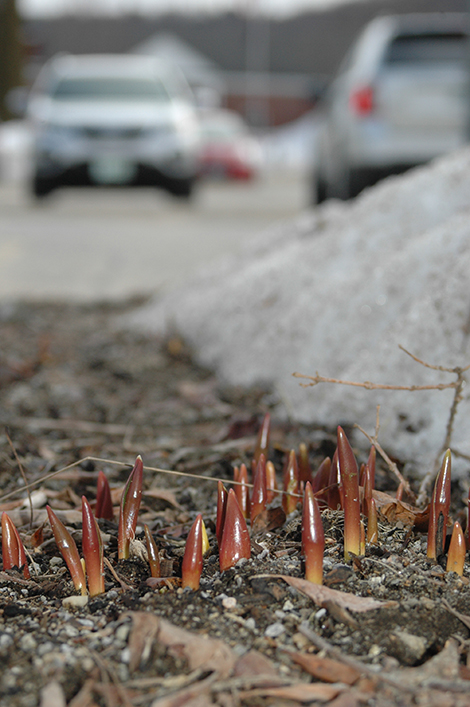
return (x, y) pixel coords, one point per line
(315, 380)
(445, 369)
(427, 479)
(391, 465)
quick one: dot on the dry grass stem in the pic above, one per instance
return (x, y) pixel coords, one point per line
(101, 460)
(22, 472)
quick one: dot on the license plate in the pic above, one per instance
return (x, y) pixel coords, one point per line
(112, 170)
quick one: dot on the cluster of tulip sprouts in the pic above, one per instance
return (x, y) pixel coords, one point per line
(338, 484)
(91, 566)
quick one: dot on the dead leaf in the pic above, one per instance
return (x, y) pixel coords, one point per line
(442, 666)
(159, 582)
(338, 575)
(267, 520)
(198, 695)
(37, 538)
(301, 692)
(254, 663)
(199, 650)
(84, 697)
(144, 630)
(347, 699)
(321, 595)
(340, 614)
(199, 394)
(14, 576)
(326, 669)
(10, 505)
(394, 511)
(116, 494)
(52, 695)
(21, 516)
(163, 495)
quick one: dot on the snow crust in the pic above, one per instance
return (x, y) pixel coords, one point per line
(336, 292)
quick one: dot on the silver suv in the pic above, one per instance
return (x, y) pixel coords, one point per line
(112, 120)
(401, 97)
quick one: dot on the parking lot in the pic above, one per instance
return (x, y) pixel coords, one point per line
(89, 244)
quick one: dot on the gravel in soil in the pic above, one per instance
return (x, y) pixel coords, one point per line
(80, 395)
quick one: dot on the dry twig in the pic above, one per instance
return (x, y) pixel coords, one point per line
(391, 465)
(456, 385)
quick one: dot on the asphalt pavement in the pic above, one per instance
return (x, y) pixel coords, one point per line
(94, 244)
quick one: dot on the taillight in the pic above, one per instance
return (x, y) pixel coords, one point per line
(361, 100)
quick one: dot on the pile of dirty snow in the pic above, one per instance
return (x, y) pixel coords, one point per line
(336, 292)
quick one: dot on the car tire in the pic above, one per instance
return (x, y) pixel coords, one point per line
(181, 188)
(319, 191)
(359, 179)
(42, 186)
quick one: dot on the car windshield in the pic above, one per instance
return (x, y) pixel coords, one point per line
(114, 89)
(427, 49)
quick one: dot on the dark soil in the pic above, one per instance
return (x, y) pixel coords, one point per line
(76, 392)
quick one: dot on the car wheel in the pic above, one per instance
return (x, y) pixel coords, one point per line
(319, 190)
(42, 186)
(181, 188)
(359, 179)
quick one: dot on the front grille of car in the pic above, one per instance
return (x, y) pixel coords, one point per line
(112, 133)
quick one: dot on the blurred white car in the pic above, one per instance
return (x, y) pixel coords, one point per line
(112, 120)
(228, 148)
(401, 97)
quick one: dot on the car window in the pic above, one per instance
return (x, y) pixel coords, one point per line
(427, 49)
(109, 89)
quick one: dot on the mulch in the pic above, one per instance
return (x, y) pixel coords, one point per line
(79, 395)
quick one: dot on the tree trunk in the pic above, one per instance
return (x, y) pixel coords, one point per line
(11, 54)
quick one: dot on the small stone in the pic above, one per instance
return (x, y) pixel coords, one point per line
(250, 624)
(300, 641)
(56, 561)
(6, 642)
(87, 623)
(378, 579)
(274, 630)
(27, 643)
(374, 651)
(122, 633)
(75, 601)
(288, 605)
(87, 665)
(70, 631)
(44, 648)
(125, 656)
(428, 603)
(229, 603)
(409, 647)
